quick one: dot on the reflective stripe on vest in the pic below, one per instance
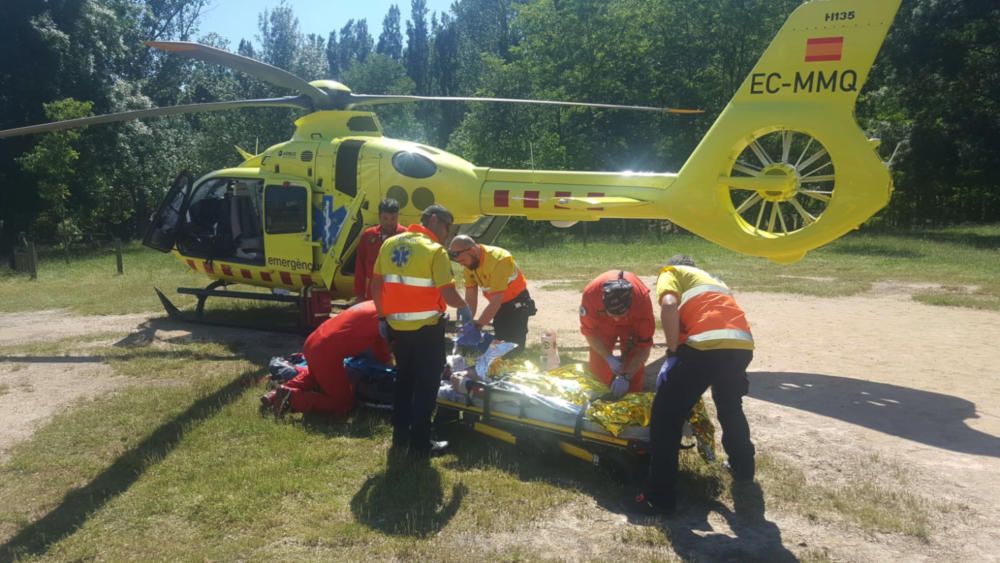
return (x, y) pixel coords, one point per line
(408, 280)
(416, 316)
(699, 289)
(721, 334)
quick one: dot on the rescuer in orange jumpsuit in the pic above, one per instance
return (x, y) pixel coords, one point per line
(616, 310)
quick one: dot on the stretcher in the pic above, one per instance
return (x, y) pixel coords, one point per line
(517, 417)
(511, 417)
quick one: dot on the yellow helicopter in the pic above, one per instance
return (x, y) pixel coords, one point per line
(785, 169)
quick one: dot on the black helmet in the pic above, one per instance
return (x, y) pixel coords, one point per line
(617, 295)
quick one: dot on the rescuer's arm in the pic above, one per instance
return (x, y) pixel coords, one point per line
(377, 294)
(472, 297)
(495, 300)
(597, 346)
(670, 318)
(636, 361)
(452, 298)
(360, 272)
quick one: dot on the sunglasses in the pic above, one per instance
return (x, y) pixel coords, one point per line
(456, 253)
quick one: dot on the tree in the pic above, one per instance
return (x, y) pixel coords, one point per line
(417, 46)
(390, 41)
(279, 36)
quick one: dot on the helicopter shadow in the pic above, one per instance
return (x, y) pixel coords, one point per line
(930, 418)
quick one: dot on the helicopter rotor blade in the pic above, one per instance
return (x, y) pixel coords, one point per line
(263, 71)
(379, 99)
(301, 102)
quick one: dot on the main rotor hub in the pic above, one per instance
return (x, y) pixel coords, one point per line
(780, 191)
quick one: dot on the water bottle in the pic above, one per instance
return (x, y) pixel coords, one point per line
(550, 351)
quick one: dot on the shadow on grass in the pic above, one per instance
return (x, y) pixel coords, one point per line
(253, 343)
(974, 240)
(873, 249)
(78, 505)
(754, 537)
(363, 424)
(930, 418)
(406, 499)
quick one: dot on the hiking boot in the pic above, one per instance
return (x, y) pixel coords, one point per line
(282, 401)
(641, 504)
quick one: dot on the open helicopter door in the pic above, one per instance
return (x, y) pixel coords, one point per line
(337, 253)
(162, 232)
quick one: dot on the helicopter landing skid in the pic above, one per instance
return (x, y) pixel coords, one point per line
(304, 305)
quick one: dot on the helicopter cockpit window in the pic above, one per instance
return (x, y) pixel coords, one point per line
(285, 209)
(414, 165)
(223, 221)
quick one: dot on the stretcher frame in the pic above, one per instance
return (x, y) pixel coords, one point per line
(509, 421)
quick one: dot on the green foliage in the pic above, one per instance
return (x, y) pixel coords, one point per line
(53, 160)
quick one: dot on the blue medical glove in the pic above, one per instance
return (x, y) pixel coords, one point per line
(465, 315)
(383, 328)
(668, 365)
(614, 363)
(470, 335)
(619, 386)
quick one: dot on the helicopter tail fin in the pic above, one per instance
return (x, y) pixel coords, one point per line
(785, 168)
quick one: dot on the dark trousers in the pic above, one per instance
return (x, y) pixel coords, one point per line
(420, 356)
(725, 371)
(510, 324)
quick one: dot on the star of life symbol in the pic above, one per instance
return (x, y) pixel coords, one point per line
(400, 256)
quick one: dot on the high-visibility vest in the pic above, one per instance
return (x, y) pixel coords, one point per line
(710, 317)
(413, 268)
(496, 261)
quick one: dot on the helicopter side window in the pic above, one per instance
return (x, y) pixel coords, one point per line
(285, 209)
(413, 165)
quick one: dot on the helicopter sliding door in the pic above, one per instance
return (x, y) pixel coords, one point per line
(288, 228)
(162, 232)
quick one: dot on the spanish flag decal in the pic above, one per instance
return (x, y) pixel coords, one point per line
(824, 49)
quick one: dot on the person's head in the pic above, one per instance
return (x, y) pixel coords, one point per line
(617, 294)
(438, 220)
(388, 215)
(681, 260)
(464, 250)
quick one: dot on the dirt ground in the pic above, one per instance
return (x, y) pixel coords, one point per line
(835, 384)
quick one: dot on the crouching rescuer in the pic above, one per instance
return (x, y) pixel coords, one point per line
(616, 311)
(709, 345)
(323, 386)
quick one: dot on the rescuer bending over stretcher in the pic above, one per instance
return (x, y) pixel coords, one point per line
(616, 309)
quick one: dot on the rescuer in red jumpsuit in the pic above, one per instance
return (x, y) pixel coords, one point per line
(323, 387)
(370, 243)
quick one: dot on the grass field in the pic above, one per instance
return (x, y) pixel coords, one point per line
(960, 265)
(179, 465)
